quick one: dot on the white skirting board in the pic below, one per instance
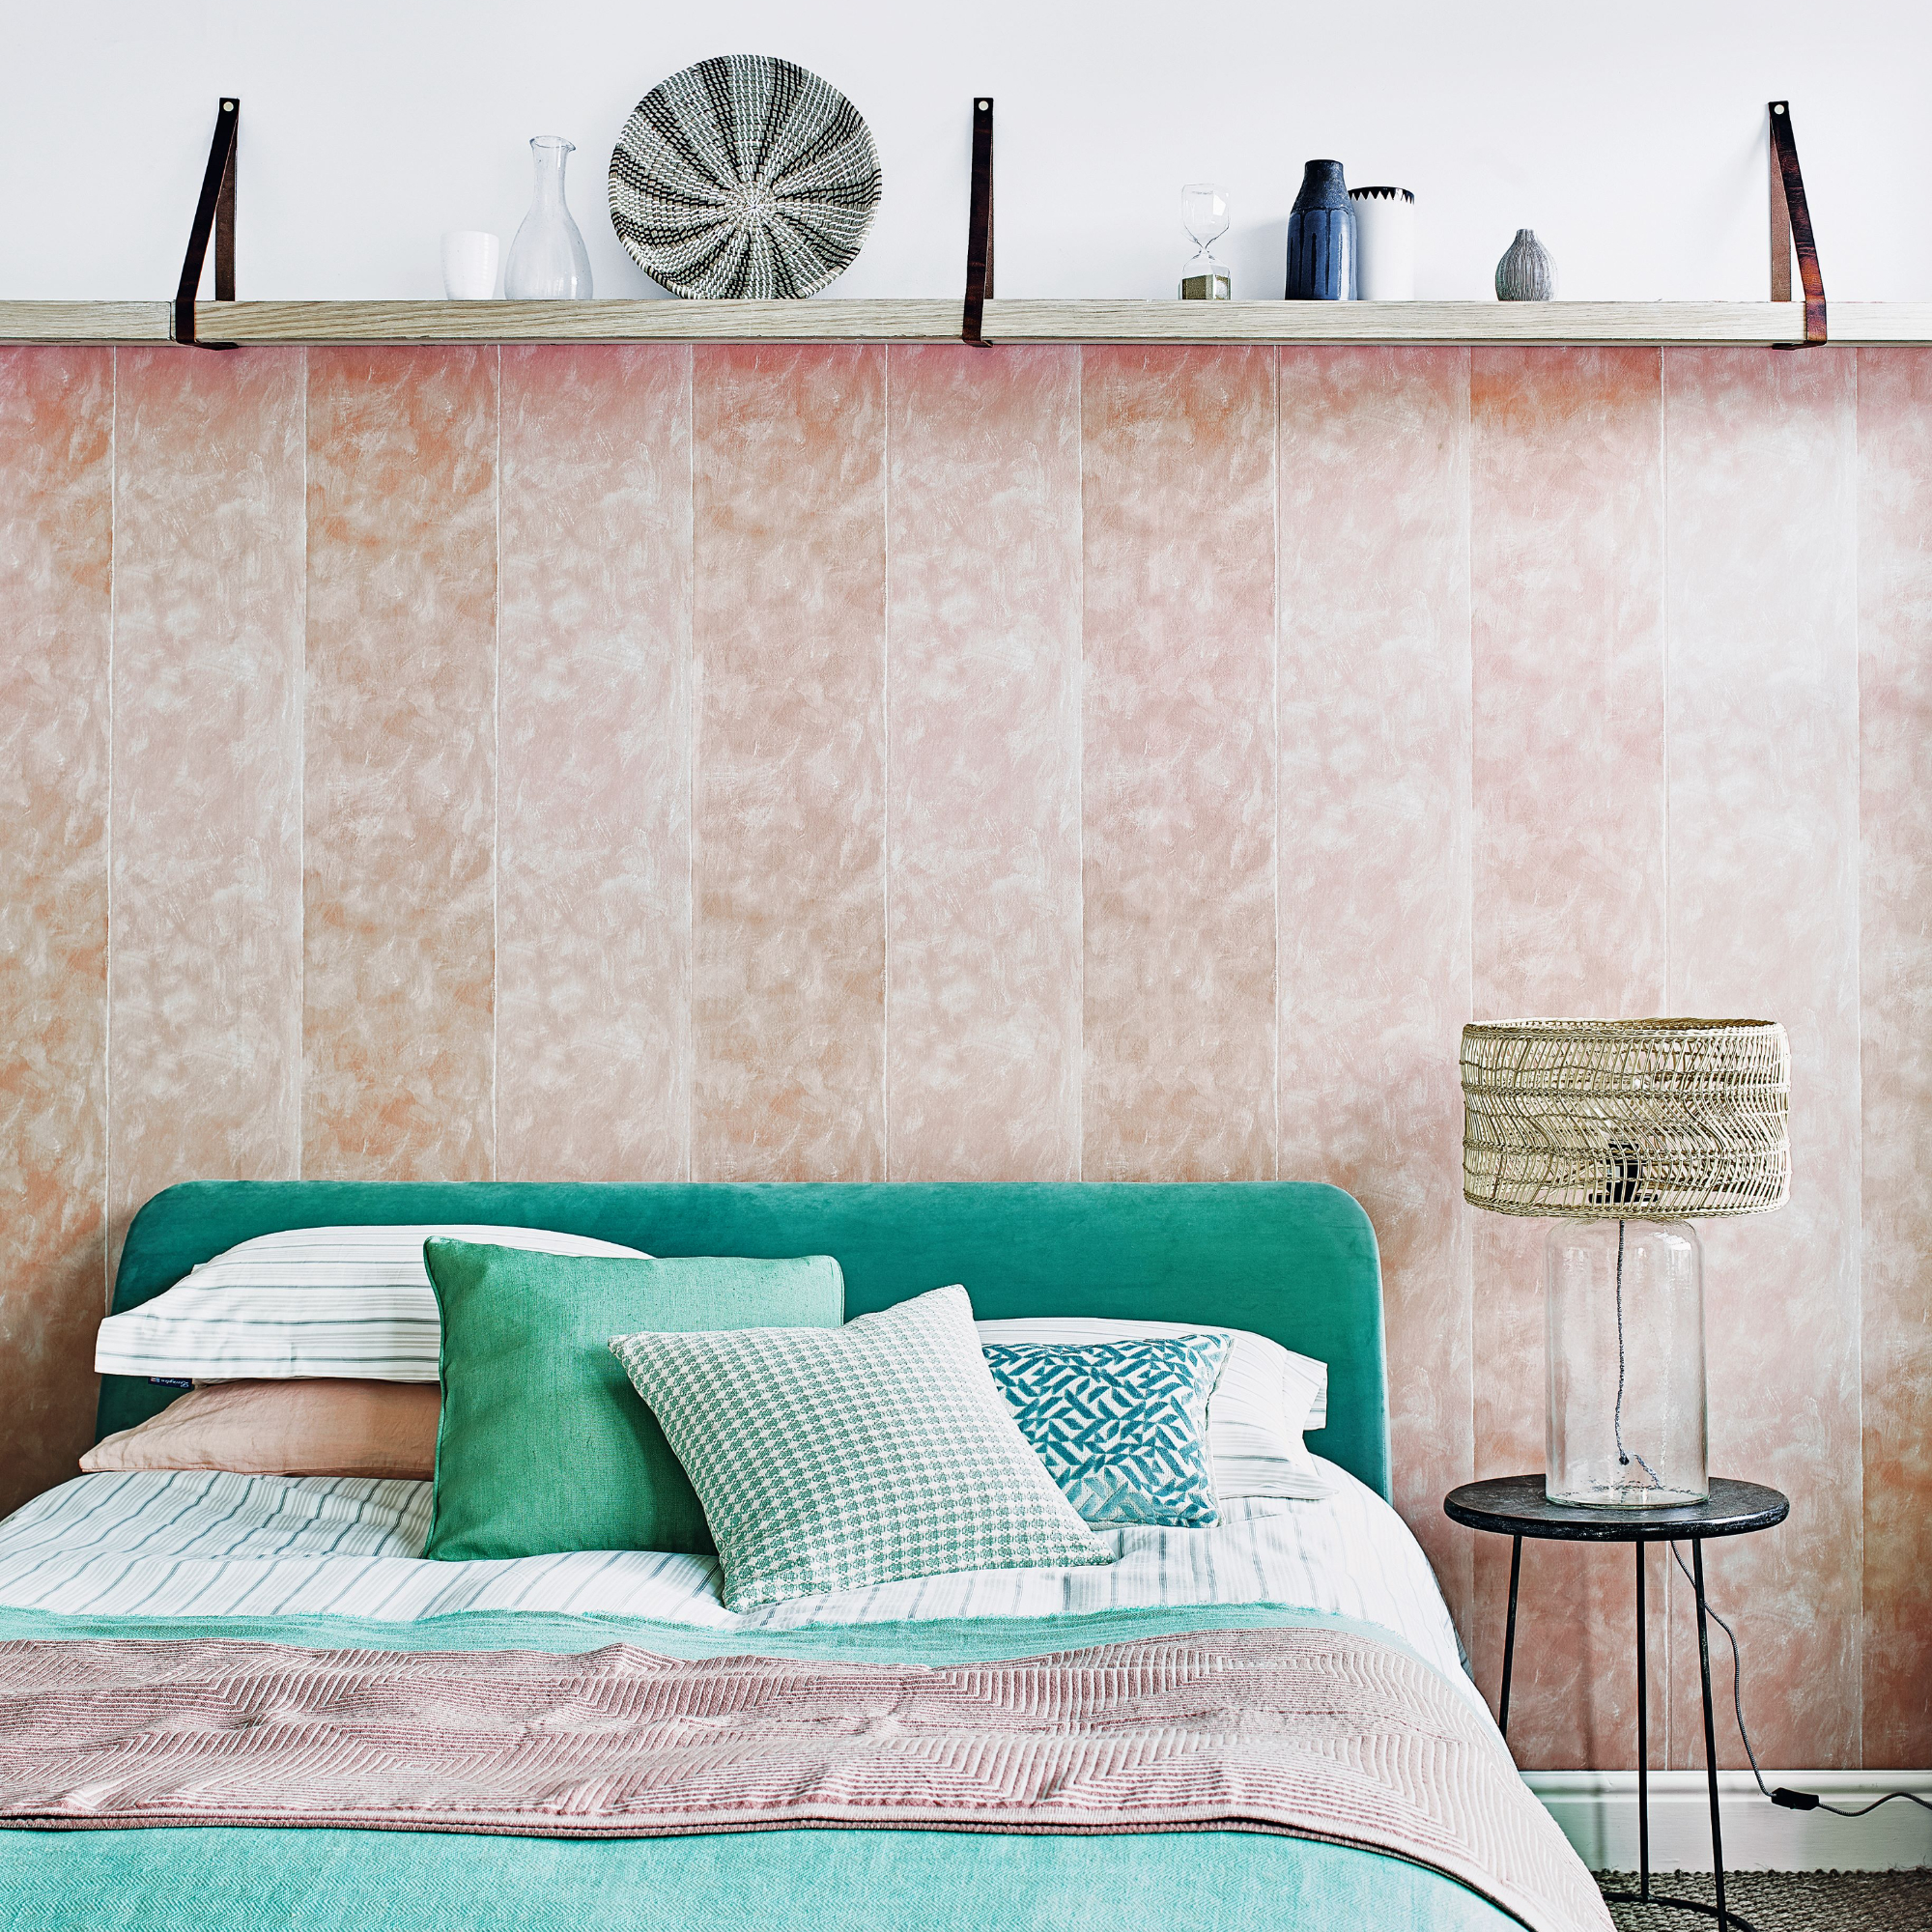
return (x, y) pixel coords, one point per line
(1596, 1810)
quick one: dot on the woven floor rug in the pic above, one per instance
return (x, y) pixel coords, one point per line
(1786, 1901)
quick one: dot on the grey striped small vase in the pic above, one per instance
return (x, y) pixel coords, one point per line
(1526, 273)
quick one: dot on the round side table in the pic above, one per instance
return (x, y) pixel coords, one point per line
(1515, 1507)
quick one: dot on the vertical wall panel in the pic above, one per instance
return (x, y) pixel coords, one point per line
(1895, 882)
(205, 1063)
(788, 832)
(1568, 787)
(1178, 771)
(1375, 861)
(400, 785)
(983, 714)
(1764, 922)
(56, 549)
(593, 844)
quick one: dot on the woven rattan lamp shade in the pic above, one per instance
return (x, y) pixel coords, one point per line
(1658, 1119)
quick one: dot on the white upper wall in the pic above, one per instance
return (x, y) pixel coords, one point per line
(1628, 133)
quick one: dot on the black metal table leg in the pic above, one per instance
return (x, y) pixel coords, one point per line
(1643, 1740)
(1710, 1732)
(1508, 1636)
(1727, 1920)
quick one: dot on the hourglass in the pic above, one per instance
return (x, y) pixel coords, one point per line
(1204, 214)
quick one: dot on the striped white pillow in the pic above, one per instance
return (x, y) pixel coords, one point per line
(1265, 1396)
(351, 1302)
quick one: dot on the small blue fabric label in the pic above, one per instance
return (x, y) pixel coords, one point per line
(170, 1382)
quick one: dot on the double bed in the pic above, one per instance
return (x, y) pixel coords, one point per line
(333, 1566)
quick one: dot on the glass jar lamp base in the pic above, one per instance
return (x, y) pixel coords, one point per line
(1624, 1303)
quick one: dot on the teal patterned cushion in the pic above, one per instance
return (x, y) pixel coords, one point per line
(1122, 1426)
(828, 1458)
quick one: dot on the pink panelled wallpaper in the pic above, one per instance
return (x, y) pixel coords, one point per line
(926, 763)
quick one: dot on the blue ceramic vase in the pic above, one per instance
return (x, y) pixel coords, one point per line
(1321, 238)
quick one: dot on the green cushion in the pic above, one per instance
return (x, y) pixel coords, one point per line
(543, 1446)
(831, 1462)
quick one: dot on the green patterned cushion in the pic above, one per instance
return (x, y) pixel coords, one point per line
(830, 1458)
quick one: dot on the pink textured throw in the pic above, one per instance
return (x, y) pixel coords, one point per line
(1316, 1733)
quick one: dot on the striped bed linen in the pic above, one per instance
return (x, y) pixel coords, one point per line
(349, 1302)
(372, 1255)
(180, 1544)
(378, 1334)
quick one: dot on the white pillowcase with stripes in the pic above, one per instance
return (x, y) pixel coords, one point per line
(1267, 1395)
(350, 1302)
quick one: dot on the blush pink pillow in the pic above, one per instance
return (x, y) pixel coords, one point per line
(285, 1429)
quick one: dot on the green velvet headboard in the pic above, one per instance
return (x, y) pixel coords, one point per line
(1292, 1260)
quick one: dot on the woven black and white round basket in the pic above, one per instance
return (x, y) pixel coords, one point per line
(744, 177)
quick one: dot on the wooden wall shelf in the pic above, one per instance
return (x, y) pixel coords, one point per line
(85, 321)
(981, 317)
(1367, 323)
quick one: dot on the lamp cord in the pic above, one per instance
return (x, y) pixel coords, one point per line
(1623, 1454)
(1792, 1801)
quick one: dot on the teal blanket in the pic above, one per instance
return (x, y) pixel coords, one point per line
(197, 1879)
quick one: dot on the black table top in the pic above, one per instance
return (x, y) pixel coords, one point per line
(1516, 1506)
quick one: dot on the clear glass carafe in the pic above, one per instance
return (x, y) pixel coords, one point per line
(1624, 1301)
(548, 258)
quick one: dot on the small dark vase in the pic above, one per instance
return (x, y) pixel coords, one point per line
(1526, 273)
(1321, 238)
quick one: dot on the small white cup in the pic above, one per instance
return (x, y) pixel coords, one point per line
(1384, 243)
(469, 259)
